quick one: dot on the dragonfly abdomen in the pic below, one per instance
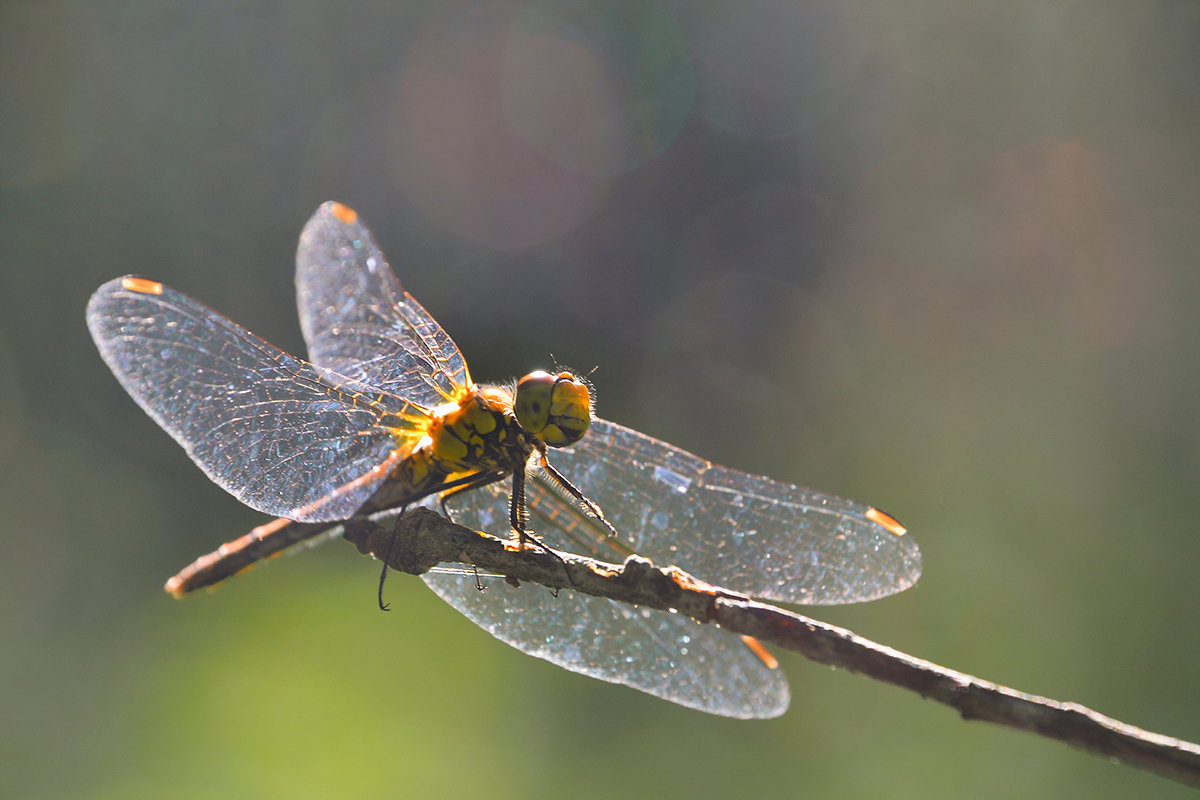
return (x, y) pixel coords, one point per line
(265, 541)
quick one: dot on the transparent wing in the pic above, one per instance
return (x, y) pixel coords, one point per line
(359, 322)
(667, 655)
(738, 531)
(748, 533)
(263, 425)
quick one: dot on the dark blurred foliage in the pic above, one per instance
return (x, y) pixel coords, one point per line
(937, 256)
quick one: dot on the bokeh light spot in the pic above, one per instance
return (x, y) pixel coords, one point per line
(459, 159)
(769, 68)
(598, 87)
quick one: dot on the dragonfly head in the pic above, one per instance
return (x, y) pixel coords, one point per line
(556, 408)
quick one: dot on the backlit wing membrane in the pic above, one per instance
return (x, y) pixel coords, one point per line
(359, 322)
(729, 528)
(261, 424)
(755, 535)
(663, 654)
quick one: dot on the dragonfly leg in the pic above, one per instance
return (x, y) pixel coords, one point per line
(587, 504)
(388, 557)
(448, 490)
(518, 515)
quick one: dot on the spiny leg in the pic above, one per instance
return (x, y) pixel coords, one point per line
(588, 505)
(518, 515)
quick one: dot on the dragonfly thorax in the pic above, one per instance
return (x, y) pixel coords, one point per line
(491, 430)
(478, 433)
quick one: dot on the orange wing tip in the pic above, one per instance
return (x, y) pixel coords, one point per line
(141, 286)
(760, 650)
(887, 521)
(345, 213)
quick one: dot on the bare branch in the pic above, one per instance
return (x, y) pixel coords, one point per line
(426, 539)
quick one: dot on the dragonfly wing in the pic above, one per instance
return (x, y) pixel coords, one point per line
(263, 425)
(744, 532)
(667, 655)
(359, 322)
(735, 530)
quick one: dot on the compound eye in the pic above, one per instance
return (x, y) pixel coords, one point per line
(557, 408)
(532, 403)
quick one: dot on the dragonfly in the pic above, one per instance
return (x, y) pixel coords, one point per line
(385, 416)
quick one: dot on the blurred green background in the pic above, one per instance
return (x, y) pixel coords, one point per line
(940, 257)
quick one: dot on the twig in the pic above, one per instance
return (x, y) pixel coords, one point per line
(427, 539)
